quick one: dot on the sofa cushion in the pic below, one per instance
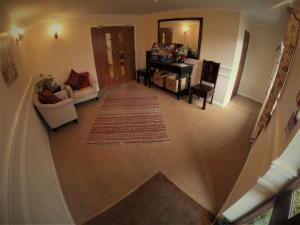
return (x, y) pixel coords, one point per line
(47, 97)
(75, 80)
(83, 92)
(85, 80)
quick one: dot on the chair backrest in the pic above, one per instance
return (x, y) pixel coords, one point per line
(210, 71)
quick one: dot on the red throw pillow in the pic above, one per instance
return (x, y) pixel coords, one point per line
(47, 97)
(74, 80)
(85, 80)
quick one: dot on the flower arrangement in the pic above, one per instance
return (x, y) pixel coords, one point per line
(192, 53)
(180, 54)
(46, 83)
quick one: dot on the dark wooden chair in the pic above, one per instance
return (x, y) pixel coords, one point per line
(208, 80)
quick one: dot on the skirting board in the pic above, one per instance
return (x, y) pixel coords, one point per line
(222, 105)
(250, 97)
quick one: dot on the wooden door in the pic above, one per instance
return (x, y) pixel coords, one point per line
(114, 54)
(242, 63)
(165, 35)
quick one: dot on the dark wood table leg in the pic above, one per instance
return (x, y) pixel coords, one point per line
(191, 96)
(179, 87)
(145, 79)
(149, 77)
(189, 82)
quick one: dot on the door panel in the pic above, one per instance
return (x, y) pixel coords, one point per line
(165, 35)
(114, 54)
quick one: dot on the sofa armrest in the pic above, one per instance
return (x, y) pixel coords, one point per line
(93, 83)
(69, 91)
(54, 106)
(62, 94)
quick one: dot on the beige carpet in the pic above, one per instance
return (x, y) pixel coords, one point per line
(206, 153)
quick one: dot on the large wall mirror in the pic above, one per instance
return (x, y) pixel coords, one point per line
(186, 32)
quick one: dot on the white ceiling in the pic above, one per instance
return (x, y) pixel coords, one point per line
(25, 12)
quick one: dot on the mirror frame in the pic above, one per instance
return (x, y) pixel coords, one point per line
(200, 19)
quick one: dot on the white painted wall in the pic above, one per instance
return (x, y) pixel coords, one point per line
(281, 172)
(29, 189)
(260, 61)
(242, 27)
(274, 157)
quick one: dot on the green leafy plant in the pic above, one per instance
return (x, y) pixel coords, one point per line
(296, 208)
(192, 53)
(262, 219)
(46, 83)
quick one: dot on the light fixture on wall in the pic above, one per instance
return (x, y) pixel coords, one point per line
(55, 30)
(186, 29)
(17, 33)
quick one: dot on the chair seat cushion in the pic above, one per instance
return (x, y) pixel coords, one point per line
(202, 90)
(83, 92)
(203, 87)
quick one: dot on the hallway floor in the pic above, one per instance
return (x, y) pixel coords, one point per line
(207, 151)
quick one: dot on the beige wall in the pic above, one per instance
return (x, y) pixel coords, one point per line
(220, 33)
(30, 192)
(273, 140)
(260, 61)
(73, 48)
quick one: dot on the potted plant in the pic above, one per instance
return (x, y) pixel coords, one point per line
(180, 54)
(47, 83)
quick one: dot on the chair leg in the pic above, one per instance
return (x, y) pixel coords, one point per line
(212, 98)
(191, 96)
(204, 103)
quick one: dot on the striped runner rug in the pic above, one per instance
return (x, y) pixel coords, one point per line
(129, 119)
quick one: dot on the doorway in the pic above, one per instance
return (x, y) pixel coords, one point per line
(242, 63)
(165, 35)
(114, 54)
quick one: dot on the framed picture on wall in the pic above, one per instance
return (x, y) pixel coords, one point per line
(7, 65)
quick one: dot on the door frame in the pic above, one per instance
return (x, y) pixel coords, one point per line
(241, 64)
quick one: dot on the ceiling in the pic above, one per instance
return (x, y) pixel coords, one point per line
(26, 12)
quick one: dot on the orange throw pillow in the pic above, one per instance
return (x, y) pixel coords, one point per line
(47, 97)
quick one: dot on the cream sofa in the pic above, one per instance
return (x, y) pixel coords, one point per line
(59, 113)
(83, 94)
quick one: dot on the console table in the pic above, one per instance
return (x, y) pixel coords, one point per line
(181, 69)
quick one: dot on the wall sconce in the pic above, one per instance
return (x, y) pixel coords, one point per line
(55, 30)
(17, 33)
(186, 29)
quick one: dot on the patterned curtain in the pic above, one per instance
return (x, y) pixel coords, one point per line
(290, 44)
